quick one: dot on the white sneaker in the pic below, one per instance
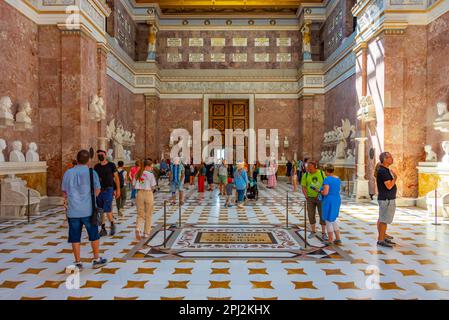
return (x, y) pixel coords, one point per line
(311, 235)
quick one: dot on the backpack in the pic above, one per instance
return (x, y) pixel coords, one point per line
(121, 178)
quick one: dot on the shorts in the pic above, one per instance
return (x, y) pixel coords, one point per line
(222, 179)
(175, 186)
(387, 209)
(312, 205)
(104, 199)
(76, 228)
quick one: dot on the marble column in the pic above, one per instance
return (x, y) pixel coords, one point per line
(102, 55)
(361, 185)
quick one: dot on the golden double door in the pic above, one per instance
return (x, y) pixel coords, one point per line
(229, 114)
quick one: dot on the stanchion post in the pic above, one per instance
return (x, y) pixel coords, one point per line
(179, 207)
(165, 223)
(28, 206)
(305, 224)
(286, 215)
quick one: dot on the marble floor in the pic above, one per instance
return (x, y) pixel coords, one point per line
(33, 257)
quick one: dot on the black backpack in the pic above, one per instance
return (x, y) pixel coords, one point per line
(121, 178)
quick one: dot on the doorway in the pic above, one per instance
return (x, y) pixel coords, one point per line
(229, 114)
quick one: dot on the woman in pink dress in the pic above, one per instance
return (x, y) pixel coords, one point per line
(272, 167)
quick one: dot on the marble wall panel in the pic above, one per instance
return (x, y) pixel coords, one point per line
(283, 115)
(437, 79)
(19, 65)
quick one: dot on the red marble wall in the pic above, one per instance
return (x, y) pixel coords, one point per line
(282, 115)
(162, 49)
(19, 65)
(125, 107)
(50, 124)
(405, 102)
(173, 114)
(311, 126)
(437, 78)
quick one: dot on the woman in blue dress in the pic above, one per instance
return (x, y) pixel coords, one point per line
(331, 204)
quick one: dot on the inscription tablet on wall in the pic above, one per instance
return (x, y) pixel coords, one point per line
(196, 57)
(218, 42)
(239, 42)
(284, 42)
(261, 42)
(218, 57)
(196, 42)
(174, 57)
(261, 57)
(174, 42)
(239, 57)
(283, 57)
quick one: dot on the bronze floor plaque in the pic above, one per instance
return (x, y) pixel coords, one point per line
(235, 237)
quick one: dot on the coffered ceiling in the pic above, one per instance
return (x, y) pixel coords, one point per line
(228, 6)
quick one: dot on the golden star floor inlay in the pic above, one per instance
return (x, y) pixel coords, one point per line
(417, 267)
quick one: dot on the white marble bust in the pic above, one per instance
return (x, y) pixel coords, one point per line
(5, 108)
(2, 147)
(430, 154)
(23, 116)
(32, 155)
(443, 113)
(16, 154)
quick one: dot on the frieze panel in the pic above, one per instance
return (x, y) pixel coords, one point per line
(338, 70)
(119, 68)
(98, 18)
(58, 2)
(229, 87)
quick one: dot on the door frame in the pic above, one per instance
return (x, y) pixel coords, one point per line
(207, 97)
(249, 97)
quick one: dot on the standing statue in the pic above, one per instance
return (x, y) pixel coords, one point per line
(96, 109)
(6, 117)
(118, 143)
(16, 154)
(101, 109)
(152, 43)
(110, 130)
(32, 155)
(306, 42)
(445, 147)
(2, 147)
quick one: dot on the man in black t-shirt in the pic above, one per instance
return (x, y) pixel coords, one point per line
(386, 178)
(110, 185)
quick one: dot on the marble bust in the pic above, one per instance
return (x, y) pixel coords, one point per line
(443, 114)
(445, 147)
(32, 155)
(430, 154)
(24, 113)
(6, 117)
(16, 154)
(2, 147)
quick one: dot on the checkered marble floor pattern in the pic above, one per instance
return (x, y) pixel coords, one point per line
(33, 258)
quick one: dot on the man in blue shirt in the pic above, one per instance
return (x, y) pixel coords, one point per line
(78, 203)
